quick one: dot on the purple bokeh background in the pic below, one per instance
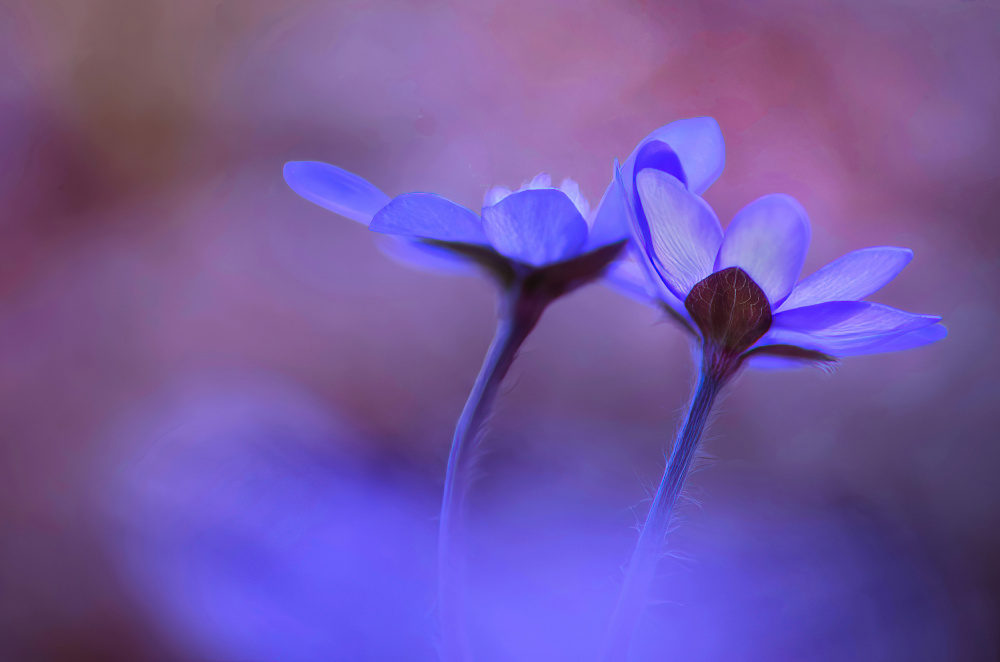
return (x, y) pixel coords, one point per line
(225, 412)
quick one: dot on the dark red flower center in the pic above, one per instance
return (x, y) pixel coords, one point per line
(731, 311)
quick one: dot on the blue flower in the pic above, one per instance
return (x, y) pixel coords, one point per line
(737, 293)
(737, 290)
(537, 242)
(539, 231)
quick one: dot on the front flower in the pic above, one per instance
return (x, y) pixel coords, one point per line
(536, 242)
(737, 290)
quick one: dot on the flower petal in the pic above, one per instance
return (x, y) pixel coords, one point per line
(699, 145)
(429, 216)
(820, 317)
(851, 277)
(495, 195)
(768, 239)
(536, 226)
(788, 357)
(611, 220)
(848, 318)
(767, 363)
(426, 257)
(658, 155)
(836, 327)
(336, 189)
(680, 232)
(541, 180)
(918, 338)
(572, 191)
(629, 277)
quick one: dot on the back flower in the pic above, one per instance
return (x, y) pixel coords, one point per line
(736, 293)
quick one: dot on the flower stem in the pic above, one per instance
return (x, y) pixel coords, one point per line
(517, 316)
(648, 550)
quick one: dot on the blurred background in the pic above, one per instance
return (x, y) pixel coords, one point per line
(224, 413)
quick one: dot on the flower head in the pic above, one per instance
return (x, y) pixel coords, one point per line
(738, 290)
(539, 234)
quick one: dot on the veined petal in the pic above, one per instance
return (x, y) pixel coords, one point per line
(836, 327)
(910, 340)
(842, 347)
(429, 216)
(654, 155)
(768, 239)
(680, 232)
(820, 316)
(851, 277)
(699, 145)
(848, 318)
(536, 226)
(335, 189)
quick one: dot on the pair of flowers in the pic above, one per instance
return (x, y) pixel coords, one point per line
(652, 237)
(678, 242)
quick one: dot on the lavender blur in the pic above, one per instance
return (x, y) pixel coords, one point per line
(736, 293)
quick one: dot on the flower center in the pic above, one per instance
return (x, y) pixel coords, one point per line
(730, 309)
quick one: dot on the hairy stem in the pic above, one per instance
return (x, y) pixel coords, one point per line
(649, 548)
(518, 315)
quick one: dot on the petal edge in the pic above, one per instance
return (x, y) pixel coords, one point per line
(536, 226)
(335, 189)
(768, 239)
(681, 232)
(429, 216)
(851, 277)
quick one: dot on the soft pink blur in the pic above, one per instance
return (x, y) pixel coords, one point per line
(225, 413)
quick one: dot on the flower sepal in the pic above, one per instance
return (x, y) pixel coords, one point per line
(548, 282)
(555, 280)
(732, 313)
(492, 262)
